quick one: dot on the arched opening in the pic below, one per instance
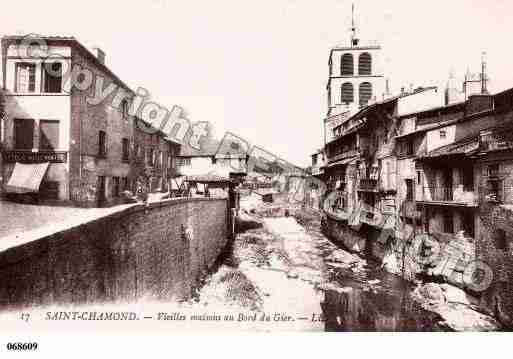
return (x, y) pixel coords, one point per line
(365, 64)
(347, 65)
(365, 93)
(347, 93)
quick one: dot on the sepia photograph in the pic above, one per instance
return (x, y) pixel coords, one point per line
(175, 167)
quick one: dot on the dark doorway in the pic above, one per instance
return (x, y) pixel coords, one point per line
(100, 194)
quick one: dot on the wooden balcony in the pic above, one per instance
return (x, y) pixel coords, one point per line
(344, 154)
(368, 185)
(455, 195)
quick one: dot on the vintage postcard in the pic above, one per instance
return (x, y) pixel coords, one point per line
(183, 167)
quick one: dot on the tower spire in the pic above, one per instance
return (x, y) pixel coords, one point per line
(354, 39)
(484, 79)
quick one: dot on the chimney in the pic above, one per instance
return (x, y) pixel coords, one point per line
(100, 55)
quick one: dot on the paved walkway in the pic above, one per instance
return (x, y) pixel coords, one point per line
(20, 222)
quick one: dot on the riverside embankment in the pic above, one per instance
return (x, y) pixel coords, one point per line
(283, 267)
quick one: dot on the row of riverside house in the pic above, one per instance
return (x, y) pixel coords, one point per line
(91, 152)
(445, 171)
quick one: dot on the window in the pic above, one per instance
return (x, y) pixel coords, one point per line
(419, 177)
(124, 110)
(115, 186)
(48, 135)
(364, 64)
(347, 93)
(467, 178)
(52, 77)
(468, 224)
(495, 190)
(493, 170)
(156, 158)
(408, 148)
(126, 149)
(448, 222)
(347, 66)
(409, 189)
(365, 93)
(150, 159)
(24, 134)
(125, 185)
(102, 144)
(183, 162)
(500, 240)
(101, 185)
(25, 77)
(443, 134)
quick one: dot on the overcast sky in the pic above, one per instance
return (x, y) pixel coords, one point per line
(259, 69)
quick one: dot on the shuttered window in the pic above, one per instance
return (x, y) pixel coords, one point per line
(365, 93)
(48, 134)
(24, 134)
(347, 92)
(364, 64)
(347, 65)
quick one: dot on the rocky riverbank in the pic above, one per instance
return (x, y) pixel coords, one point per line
(282, 265)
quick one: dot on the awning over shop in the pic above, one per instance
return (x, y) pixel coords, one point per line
(345, 161)
(26, 178)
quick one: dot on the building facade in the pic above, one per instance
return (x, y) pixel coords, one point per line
(154, 163)
(65, 107)
(442, 172)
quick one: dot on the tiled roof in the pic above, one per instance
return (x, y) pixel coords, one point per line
(208, 147)
(462, 147)
(429, 127)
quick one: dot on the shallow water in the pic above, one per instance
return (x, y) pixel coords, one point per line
(376, 306)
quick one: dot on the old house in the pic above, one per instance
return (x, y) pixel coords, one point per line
(208, 160)
(53, 117)
(154, 159)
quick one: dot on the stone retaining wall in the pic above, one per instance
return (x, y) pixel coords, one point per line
(157, 251)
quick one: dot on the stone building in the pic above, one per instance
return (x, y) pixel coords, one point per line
(209, 161)
(443, 171)
(67, 109)
(153, 159)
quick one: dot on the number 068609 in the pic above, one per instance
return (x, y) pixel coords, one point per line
(22, 346)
